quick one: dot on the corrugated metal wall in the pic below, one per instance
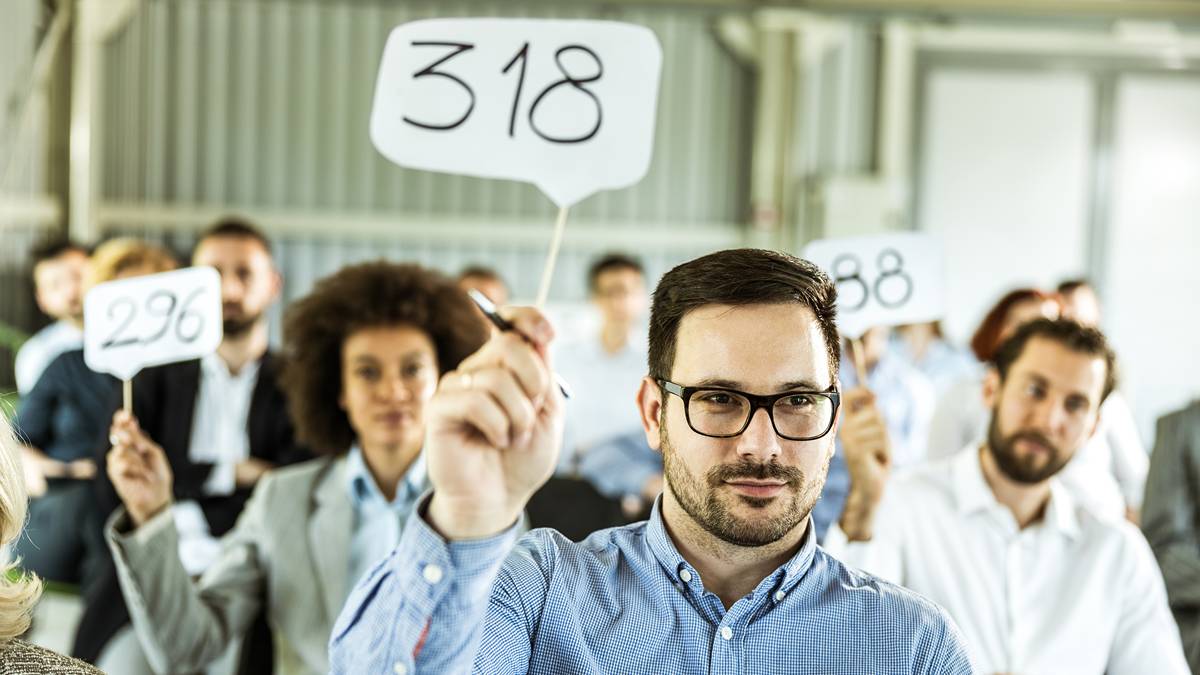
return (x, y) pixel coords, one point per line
(22, 174)
(264, 106)
(18, 41)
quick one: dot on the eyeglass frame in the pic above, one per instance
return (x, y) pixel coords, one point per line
(756, 402)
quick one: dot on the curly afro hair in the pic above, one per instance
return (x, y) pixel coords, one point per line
(362, 296)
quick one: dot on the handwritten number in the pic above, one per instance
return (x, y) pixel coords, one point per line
(892, 288)
(115, 340)
(184, 314)
(159, 304)
(165, 315)
(522, 56)
(847, 271)
(577, 83)
(430, 71)
(892, 278)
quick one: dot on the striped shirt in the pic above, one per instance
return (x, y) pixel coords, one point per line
(625, 601)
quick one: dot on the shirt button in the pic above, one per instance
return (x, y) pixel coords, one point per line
(726, 632)
(686, 576)
(400, 669)
(432, 574)
(779, 595)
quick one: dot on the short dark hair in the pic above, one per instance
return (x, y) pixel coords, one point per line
(609, 262)
(234, 227)
(1066, 332)
(1071, 285)
(480, 272)
(739, 277)
(52, 247)
(357, 297)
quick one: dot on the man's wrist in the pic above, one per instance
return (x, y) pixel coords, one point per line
(858, 516)
(457, 520)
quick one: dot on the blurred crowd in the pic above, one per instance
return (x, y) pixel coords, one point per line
(221, 523)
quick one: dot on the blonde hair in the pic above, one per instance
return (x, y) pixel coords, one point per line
(19, 591)
(117, 256)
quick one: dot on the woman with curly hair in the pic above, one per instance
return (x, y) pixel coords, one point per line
(363, 355)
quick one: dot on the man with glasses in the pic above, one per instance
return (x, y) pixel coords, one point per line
(1038, 582)
(724, 577)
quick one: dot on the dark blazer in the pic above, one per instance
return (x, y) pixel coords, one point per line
(1171, 519)
(164, 402)
(68, 412)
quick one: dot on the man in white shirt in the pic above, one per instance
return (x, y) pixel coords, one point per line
(1037, 583)
(58, 269)
(606, 367)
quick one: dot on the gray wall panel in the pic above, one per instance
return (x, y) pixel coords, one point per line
(266, 104)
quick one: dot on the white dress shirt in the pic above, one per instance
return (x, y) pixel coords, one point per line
(39, 351)
(1072, 593)
(219, 437)
(1107, 473)
(603, 404)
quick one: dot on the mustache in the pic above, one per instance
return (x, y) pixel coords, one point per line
(1033, 436)
(755, 471)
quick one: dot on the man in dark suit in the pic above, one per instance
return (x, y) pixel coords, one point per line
(1171, 519)
(222, 421)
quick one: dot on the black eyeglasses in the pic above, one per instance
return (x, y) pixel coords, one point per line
(724, 413)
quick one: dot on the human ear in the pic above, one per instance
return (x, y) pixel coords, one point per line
(650, 403)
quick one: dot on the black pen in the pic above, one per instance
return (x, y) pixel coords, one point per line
(504, 325)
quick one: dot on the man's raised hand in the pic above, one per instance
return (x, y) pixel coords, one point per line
(493, 431)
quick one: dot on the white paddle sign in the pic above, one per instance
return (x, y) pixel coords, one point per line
(566, 105)
(131, 324)
(883, 280)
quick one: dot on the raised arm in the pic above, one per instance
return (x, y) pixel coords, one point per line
(183, 625)
(857, 537)
(493, 436)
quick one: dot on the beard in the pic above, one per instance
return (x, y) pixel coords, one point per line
(1027, 470)
(237, 325)
(710, 504)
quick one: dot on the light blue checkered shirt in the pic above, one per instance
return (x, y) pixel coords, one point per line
(625, 601)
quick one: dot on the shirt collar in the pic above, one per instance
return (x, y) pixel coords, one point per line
(973, 494)
(363, 489)
(674, 564)
(212, 365)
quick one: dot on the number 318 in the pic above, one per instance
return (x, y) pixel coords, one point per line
(521, 57)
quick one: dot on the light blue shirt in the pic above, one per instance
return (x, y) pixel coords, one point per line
(625, 601)
(39, 351)
(943, 363)
(378, 522)
(621, 466)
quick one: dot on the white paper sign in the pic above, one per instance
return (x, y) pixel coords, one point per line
(883, 280)
(134, 323)
(566, 105)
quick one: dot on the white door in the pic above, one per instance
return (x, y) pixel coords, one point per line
(1153, 276)
(1004, 178)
